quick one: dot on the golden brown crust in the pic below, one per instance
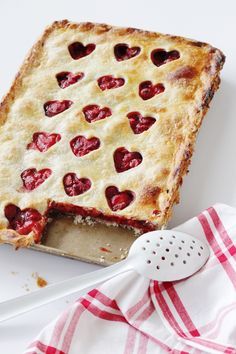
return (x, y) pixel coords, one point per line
(193, 80)
(216, 62)
(13, 238)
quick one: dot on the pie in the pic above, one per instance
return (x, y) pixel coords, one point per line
(100, 124)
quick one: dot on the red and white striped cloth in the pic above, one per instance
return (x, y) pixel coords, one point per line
(132, 315)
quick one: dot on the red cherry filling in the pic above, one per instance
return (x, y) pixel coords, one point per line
(138, 123)
(93, 113)
(123, 52)
(52, 108)
(57, 208)
(67, 78)
(161, 56)
(82, 146)
(24, 221)
(42, 141)
(147, 90)
(118, 200)
(32, 178)
(77, 50)
(75, 186)
(125, 160)
(108, 82)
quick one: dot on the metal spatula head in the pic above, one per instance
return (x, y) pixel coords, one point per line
(167, 255)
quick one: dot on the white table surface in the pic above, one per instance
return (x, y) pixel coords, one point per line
(212, 176)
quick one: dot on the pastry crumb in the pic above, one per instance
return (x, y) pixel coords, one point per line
(26, 287)
(40, 281)
(102, 259)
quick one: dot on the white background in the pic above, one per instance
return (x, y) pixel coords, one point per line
(212, 176)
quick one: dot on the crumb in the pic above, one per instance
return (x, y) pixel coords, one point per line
(123, 256)
(26, 287)
(41, 282)
(14, 273)
(102, 259)
(103, 249)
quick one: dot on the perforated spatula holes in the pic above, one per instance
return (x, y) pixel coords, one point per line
(169, 253)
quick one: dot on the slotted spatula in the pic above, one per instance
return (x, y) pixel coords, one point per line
(158, 255)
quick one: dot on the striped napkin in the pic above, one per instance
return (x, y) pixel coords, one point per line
(132, 315)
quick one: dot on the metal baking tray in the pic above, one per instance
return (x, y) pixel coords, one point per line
(97, 243)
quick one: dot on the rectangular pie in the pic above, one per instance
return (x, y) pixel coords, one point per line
(100, 124)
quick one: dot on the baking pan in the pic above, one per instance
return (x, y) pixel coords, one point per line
(98, 243)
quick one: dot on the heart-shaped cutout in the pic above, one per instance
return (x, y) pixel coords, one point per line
(77, 50)
(138, 123)
(125, 160)
(93, 113)
(24, 221)
(118, 200)
(66, 78)
(108, 82)
(160, 56)
(52, 108)
(147, 90)
(82, 146)
(42, 141)
(123, 52)
(32, 178)
(75, 186)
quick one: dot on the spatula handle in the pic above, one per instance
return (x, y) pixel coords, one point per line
(25, 303)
